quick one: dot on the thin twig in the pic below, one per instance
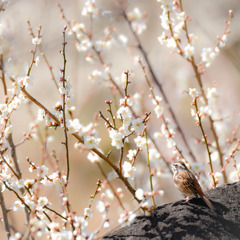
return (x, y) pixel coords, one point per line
(43, 54)
(17, 195)
(110, 185)
(5, 216)
(9, 166)
(98, 189)
(121, 159)
(149, 168)
(3, 78)
(205, 140)
(64, 190)
(64, 101)
(58, 214)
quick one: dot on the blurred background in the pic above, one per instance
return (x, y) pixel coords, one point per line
(175, 75)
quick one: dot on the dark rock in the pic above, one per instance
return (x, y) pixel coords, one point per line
(192, 220)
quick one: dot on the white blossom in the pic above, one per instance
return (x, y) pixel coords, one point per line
(100, 206)
(36, 41)
(193, 38)
(62, 235)
(90, 8)
(78, 27)
(83, 45)
(131, 154)
(171, 143)
(234, 176)
(193, 92)
(140, 141)
(17, 205)
(121, 81)
(128, 169)
(42, 171)
(205, 110)
(112, 175)
(93, 157)
(208, 55)
(189, 50)
(102, 45)
(157, 135)
(124, 101)
(137, 125)
(74, 126)
(109, 194)
(117, 138)
(96, 76)
(163, 38)
(134, 15)
(165, 21)
(139, 194)
(197, 167)
(203, 182)
(40, 114)
(42, 201)
(211, 93)
(122, 40)
(154, 154)
(159, 111)
(37, 60)
(156, 100)
(171, 43)
(136, 19)
(88, 212)
(91, 142)
(223, 41)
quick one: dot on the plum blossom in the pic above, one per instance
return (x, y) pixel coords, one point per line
(122, 40)
(100, 206)
(137, 125)
(93, 157)
(117, 138)
(159, 111)
(208, 55)
(140, 141)
(112, 175)
(43, 201)
(36, 41)
(42, 171)
(131, 154)
(91, 142)
(137, 21)
(74, 126)
(139, 194)
(40, 114)
(189, 51)
(90, 9)
(88, 212)
(197, 167)
(193, 92)
(83, 45)
(211, 93)
(96, 76)
(125, 114)
(128, 169)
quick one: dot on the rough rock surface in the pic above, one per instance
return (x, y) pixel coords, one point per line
(193, 220)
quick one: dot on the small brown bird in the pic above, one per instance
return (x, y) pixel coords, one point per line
(187, 183)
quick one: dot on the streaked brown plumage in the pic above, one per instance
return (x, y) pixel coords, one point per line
(187, 183)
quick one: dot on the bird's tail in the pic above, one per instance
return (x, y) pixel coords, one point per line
(208, 203)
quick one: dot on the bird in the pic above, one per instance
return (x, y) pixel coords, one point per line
(187, 183)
